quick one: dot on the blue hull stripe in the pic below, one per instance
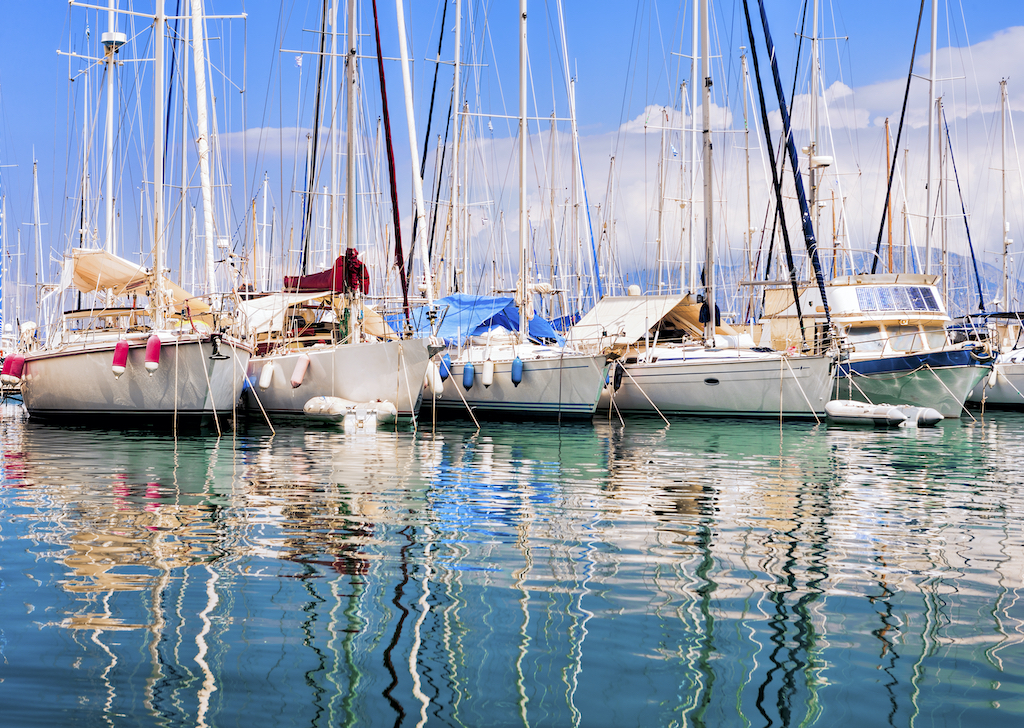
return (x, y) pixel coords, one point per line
(909, 363)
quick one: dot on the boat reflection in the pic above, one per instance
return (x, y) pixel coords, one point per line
(708, 573)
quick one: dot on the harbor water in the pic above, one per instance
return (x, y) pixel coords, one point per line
(710, 573)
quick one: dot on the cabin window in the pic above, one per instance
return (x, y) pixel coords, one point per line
(904, 338)
(935, 338)
(866, 338)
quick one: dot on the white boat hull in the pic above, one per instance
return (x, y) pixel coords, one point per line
(556, 386)
(77, 379)
(732, 384)
(389, 370)
(1004, 386)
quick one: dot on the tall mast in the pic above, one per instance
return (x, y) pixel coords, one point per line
(456, 106)
(350, 130)
(709, 247)
(692, 252)
(157, 301)
(523, 275)
(37, 224)
(83, 226)
(1007, 304)
(183, 232)
(746, 154)
(661, 203)
(812, 166)
(205, 180)
(263, 275)
(888, 209)
(112, 42)
(931, 141)
(335, 233)
(414, 148)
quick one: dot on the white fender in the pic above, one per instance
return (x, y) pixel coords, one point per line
(299, 373)
(267, 375)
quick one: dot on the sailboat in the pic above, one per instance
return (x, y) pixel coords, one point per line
(895, 346)
(676, 357)
(1004, 386)
(502, 362)
(175, 356)
(318, 337)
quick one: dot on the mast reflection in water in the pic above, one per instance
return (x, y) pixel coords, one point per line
(711, 573)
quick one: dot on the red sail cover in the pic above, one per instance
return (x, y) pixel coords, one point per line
(347, 269)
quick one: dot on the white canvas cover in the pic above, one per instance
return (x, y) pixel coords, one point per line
(266, 313)
(620, 320)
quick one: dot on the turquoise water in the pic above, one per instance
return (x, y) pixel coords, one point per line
(716, 573)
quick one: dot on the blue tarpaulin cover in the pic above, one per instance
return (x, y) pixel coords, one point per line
(461, 316)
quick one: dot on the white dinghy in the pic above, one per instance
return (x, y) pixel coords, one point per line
(850, 412)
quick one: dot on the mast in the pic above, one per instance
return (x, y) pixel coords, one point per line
(691, 258)
(183, 233)
(931, 142)
(157, 301)
(812, 166)
(38, 228)
(888, 208)
(709, 247)
(350, 131)
(661, 203)
(456, 210)
(746, 161)
(199, 61)
(334, 234)
(112, 41)
(1007, 306)
(523, 293)
(417, 179)
(263, 275)
(83, 220)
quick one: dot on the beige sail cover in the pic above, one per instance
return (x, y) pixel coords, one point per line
(93, 271)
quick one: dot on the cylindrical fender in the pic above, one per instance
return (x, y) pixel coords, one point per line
(488, 374)
(266, 375)
(517, 371)
(299, 373)
(120, 358)
(468, 372)
(152, 354)
(620, 370)
(435, 382)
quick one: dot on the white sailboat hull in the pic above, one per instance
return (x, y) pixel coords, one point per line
(77, 379)
(389, 370)
(721, 383)
(556, 386)
(1004, 386)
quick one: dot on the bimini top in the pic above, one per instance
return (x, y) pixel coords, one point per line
(461, 316)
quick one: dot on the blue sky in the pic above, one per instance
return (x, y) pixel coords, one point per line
(621, 53)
